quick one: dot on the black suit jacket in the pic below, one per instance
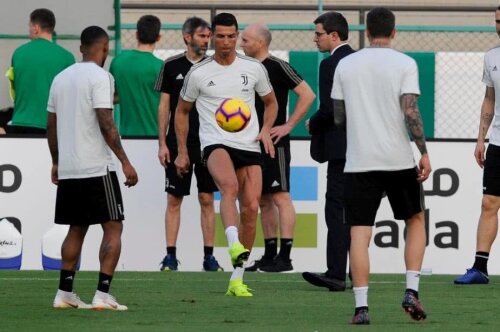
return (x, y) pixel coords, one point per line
(327, 142)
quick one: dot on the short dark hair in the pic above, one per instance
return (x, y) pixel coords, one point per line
(380, 22)
(92, 35)
(45, 18)
(334, 22)
(224, 19)
(148, 29)
(192, 24)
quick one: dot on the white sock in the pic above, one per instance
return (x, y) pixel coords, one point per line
(238, 273)
(361, 296)
(232, 235)
(412, 280)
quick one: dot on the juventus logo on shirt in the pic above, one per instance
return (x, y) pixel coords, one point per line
(245, 79)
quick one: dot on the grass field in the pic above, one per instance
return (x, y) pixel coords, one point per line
(195, 301)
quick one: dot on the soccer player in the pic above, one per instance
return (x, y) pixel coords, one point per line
(275, 204)
(233, 159)
(196, 35)
(328, 143)
(82, 137)
(487, 228)
(375, 92)
(35, 64)
(135, 73)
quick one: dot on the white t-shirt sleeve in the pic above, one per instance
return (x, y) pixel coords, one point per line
(410, 85)
(51, 107)
(102, 92)
(486, 74)
(263, 86)
(190, 90)
(337, 92)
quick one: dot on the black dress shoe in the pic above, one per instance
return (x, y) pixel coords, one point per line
(321, 280)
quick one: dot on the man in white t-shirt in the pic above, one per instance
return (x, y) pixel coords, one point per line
(488, 221)
(375, 92)
(82, 137)
(233, 159)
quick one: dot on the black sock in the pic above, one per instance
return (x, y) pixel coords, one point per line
(481, 261)
(414, 292)
(66, 279)
(172, 251)
(270, 247)
(104, 282)
(286, 248)
(358, 309)
(208, 251)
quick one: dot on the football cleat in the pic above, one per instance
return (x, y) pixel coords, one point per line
(472, 276)
(238, 288)
(105, 301)
(69, 300)
(239, 255)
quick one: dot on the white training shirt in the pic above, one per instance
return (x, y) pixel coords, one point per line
(74, 95)
(491, 77)
(209, 83)
(371, 83)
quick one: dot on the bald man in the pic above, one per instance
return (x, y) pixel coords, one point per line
(275, 204)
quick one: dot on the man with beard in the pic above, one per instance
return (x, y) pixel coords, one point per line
(196, 34)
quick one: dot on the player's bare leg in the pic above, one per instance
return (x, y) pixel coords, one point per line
(250, 183)
(72, 247)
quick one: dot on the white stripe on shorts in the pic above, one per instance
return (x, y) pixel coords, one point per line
(110, 197)
(282, 167)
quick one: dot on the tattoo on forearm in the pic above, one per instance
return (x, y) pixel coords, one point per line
(486, 119)
(110, 133)
(413, 120)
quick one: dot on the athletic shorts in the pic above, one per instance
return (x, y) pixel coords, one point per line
(276, 171)
(363, 193)
(240, 158)
(491, 174)
(177, 186)
(89, 201)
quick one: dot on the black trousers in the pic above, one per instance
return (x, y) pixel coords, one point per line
(339, 236)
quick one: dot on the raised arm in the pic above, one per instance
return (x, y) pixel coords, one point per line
(415, 126)
(305, 99)
(163, 121)
(112, 138)
(487, 113)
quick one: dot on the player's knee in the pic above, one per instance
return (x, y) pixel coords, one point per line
(206, 199)
(250, 208)
(173, 202)
(282, 200)
(229, 187)
(490, 204)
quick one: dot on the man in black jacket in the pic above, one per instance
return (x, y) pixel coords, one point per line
(329, 144)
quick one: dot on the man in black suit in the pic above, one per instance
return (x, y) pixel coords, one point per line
(328, 143)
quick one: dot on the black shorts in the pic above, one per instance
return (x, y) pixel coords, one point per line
(89, 201)
(491, 174)
(178, 186)
(276, 171)
(363, 193)
(240, 158)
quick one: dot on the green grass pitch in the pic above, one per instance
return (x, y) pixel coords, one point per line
(195, 301)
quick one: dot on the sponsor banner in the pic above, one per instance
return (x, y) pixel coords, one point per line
(453, 202)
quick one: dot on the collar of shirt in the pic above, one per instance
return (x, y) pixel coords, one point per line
(337, 47)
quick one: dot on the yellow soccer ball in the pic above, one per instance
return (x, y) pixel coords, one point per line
(233, 115)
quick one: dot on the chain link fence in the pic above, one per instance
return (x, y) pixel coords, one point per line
(457, 64)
